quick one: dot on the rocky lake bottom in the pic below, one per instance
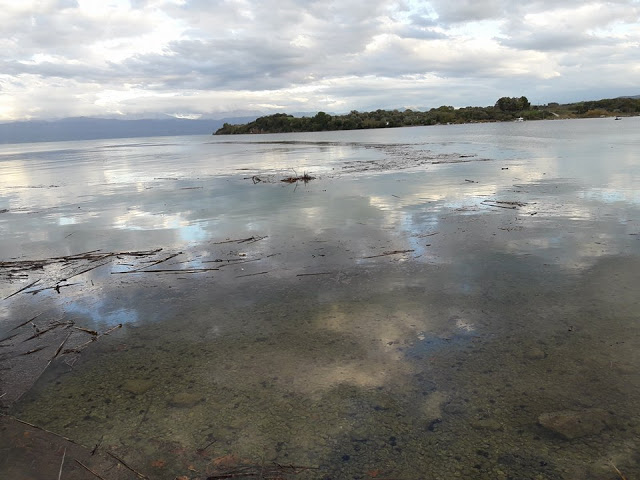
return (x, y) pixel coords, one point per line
(461, 308)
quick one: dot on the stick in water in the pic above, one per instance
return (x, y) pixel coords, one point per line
(62, 463)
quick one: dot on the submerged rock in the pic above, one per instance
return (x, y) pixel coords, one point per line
(185, 400)
(137, 386)
(574, 424)
(432, 407)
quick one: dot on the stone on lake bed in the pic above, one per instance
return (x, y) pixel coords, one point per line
(137, 386)
(574, 424)
(185, 399)
(535, 354)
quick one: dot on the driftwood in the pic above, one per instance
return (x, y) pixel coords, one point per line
(140, 475)
(88, 469)
(92, 256)
(304, 178)
(275, 471)
(394, 252)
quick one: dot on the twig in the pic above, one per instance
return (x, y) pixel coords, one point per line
(90, 332)
(191, 270)
(253, 239)
(384, 254)
(88, 469)
(64, 454)
(500, 206)
(37, 349)
(620, 474)
(199, 450)
(82, 346)
(107, 332)
(41, 332)
(9, 337)
(160, 261)
(83, 271)
(95, 449)
(22, 289)
(310, 274)
(41, 429)
(59, 348)
(127, 466)
(56, 288)
(240, 240)
(28, 321)
(239, 261)
(251, 274)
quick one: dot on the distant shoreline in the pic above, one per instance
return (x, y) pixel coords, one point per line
(506, 109)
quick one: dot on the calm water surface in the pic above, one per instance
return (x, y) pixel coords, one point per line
(420, 309)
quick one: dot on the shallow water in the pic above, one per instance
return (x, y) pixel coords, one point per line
(409, 313)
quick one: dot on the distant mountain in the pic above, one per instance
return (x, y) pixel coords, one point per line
(84, 128)
(630, 96)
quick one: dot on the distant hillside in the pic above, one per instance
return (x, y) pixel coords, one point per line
(84, 128)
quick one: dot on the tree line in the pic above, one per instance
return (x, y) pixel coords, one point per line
(505, 109)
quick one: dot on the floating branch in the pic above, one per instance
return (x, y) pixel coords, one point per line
(22, 289)
(304, 178)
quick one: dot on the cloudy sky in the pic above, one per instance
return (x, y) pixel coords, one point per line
(217, 58)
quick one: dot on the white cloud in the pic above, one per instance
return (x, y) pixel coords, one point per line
(197, 57)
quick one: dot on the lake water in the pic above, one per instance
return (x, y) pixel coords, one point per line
(437, 302)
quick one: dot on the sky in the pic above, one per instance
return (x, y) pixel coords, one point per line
(224, 58)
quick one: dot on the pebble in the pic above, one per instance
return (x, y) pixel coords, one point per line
(487, 424)
(185, 400)
(572, 424)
